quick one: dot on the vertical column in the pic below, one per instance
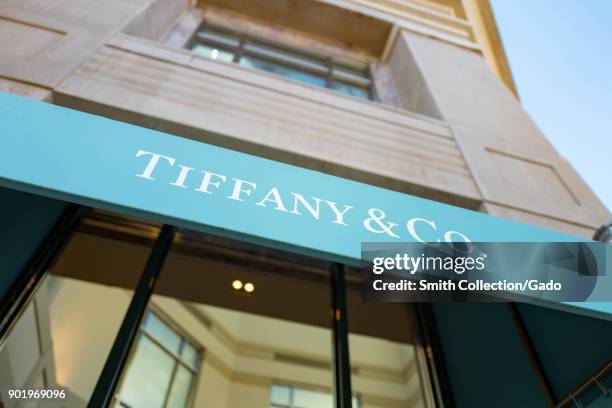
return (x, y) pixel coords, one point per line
(342, 370)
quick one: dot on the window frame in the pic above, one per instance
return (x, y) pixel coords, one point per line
(329, 70)
(293, 387)
(184, 338)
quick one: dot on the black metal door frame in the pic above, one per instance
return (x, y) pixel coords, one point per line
(341, 362)
(22, 291)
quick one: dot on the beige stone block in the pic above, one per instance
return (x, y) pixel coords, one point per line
(524, 217)
(51, 47)
(33, 40)
(105, 15)
(157, 18)
(535, 180)
(468, 93)
(411, 88)
(181, 33)
(30, 91)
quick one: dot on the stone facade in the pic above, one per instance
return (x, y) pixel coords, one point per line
(451, 128)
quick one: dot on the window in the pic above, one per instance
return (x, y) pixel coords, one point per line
(287, 396)
(224, 45)
(162, 369)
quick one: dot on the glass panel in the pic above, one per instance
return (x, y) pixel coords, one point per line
(280, 394)
(295, 74)
(75, 314)
(179, 393)
(382, 347)
(190, 355)
(148, 376)
(351, 90)
(312, 399)
(213, 52)
(162, 333)
(285, 57)
(276, 332)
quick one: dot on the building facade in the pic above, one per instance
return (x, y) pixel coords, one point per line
(412, 96)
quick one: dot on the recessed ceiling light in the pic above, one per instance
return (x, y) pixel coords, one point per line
(249, 287)
(237, 284)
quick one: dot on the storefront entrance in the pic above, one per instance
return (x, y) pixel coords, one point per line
(227, 324)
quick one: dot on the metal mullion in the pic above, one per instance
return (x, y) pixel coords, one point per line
(367, 88)
(341, 367)
(330, 75)
(283, 63)
(371, 87)
(229, 43)
(191, 370)
(316, 69)
(176, 356)
(240, 50)
(363, 81)
(194, 372)
(176, 363)
(181, 346)
(358, 81)
(168, 351)
(117, 395)
(109, 379)
(161, 345)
